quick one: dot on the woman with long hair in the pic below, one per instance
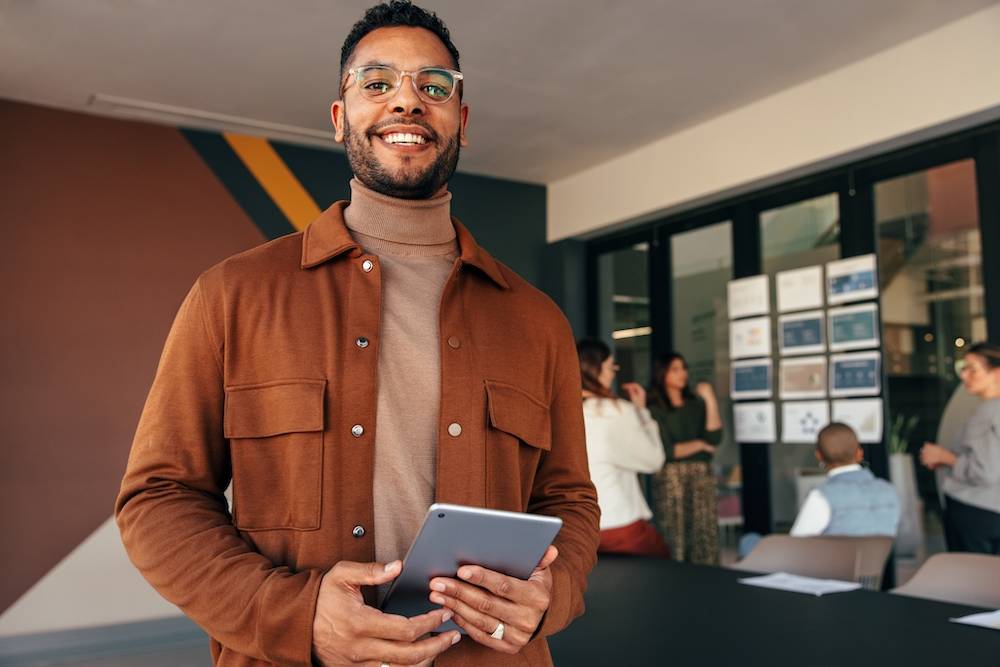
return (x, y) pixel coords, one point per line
(622, 441)
(684, 488)
(971, 466)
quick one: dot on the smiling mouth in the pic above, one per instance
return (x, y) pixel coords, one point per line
(403, 139)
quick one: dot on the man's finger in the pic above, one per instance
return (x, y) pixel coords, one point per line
(485, 638)
(405, 653)
(484, 609)
(378, 625)
(366, 574)
(550, 556)
(509, 588)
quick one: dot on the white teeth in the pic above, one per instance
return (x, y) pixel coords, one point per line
(403, 138)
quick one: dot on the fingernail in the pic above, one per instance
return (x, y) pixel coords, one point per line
(454, 640)
(438, 586)
(464, 574)
(446, 617)
(437, 598)
(389, 567)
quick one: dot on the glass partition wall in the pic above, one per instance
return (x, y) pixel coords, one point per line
(794, 236)
(930, 214)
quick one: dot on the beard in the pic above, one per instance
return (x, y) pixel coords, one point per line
(409, 182)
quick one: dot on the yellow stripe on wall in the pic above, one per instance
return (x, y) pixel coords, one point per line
(276, 178)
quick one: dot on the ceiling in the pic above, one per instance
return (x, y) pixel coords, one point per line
(554, 86)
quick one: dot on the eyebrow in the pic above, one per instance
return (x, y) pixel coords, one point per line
(394, 66)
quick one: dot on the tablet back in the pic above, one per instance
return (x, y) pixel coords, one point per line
(454, 535)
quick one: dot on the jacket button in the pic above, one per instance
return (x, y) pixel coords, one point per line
(454, 343)
(454, 429)
(359, 531)
(367, 265)
(361, 342)
(357, 430)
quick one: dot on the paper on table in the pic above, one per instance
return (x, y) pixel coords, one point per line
(986, 619)
(783, 581)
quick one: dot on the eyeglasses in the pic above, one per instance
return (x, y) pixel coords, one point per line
(380, 83)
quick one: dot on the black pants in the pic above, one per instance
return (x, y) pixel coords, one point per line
(971, 529)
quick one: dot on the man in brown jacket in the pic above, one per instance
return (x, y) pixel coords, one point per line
(346, 377)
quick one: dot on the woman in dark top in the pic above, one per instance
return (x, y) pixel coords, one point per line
(684, 489)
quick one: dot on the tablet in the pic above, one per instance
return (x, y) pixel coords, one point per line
(454, 535)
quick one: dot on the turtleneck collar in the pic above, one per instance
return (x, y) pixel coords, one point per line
(399, 225)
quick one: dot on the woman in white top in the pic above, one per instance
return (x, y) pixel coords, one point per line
(622, 441)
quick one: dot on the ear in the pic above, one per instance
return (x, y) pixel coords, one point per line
(859, 455)
(819, 457)
(462, 139)
(337, 112)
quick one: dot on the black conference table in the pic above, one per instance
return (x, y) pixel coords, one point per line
(650, 612)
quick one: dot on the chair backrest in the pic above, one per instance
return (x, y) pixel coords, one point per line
(972, 579)
(820, 557)
(859, 559)
(872, 552)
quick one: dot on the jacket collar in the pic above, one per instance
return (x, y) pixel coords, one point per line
(327, 237)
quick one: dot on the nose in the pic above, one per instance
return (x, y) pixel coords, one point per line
(406, 101)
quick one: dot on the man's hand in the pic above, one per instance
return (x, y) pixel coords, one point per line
(486, 598)
(348, 632)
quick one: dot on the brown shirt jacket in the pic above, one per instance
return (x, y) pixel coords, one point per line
(264, 380)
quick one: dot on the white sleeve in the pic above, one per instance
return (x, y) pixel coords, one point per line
(814, 516)
(637, 445)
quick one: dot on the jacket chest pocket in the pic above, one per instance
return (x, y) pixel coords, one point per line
(275, 430)
(519, 433)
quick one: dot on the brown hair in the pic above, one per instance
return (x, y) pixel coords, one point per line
(593, 353)
(988, 351)
(660, 369)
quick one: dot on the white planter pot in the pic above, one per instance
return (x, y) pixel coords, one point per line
(910, 537)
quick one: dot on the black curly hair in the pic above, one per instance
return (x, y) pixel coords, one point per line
(396, 13)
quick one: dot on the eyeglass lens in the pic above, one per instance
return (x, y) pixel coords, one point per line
(379, 82)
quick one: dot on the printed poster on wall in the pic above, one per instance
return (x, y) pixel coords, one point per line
(755, 422)
(852, 279)
(801, 421)
(802, 333)
(864, 415)
(750, 338)
(748, 297)
(856, 374)
(802, 377)
(800, 289)
(751, 378)
(853, 327)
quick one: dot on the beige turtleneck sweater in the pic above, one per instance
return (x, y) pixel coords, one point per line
(416, 246)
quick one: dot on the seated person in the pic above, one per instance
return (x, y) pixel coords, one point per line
(851, 501)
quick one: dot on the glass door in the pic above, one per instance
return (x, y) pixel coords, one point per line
(797, 235)
(624, 311)
(701, 264)
(933, 306)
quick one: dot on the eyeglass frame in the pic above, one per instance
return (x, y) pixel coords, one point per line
(352, 73)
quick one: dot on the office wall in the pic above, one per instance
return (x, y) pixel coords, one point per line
(929, 85)
(106, 225)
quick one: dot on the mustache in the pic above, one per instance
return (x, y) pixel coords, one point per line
(378, 127)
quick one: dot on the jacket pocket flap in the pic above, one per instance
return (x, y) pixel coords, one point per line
(519, 413)
(272, 408)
